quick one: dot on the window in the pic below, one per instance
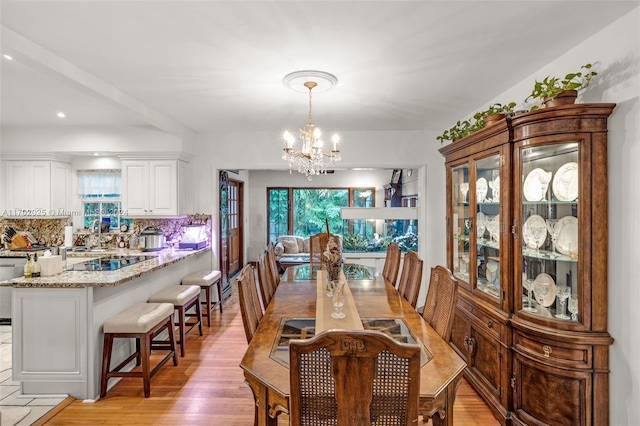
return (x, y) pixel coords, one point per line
(303, 211)
(278, 202)
(100, 193)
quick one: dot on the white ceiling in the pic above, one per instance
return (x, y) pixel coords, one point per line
(218, 65)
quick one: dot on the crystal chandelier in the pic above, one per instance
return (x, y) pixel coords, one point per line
(310, 160)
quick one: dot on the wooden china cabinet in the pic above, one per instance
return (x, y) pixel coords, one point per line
(527, 239)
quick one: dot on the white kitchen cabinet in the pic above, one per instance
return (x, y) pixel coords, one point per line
(153, 188)
(36, 188)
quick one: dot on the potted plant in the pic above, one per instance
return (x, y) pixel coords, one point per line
(457, 131)
(493, 113)
(554, 91)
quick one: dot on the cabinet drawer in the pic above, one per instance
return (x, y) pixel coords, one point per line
(488, 322)
(572, 356)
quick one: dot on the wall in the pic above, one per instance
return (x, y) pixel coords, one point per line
(616, 50)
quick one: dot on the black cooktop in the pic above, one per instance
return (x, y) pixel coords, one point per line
(110, 263)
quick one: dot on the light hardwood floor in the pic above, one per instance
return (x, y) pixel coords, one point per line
(207, 388)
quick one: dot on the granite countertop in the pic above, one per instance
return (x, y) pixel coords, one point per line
(81, 279)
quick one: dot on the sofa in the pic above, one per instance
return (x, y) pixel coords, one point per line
(292, 249)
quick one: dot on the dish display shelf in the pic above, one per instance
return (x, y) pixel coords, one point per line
(527, 239)
(550, 223)
(477, 225)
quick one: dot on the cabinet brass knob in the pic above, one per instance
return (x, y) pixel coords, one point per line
(547, 350)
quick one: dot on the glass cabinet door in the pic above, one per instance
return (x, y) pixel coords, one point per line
(488, 226)
(549, 201)
(461, 221)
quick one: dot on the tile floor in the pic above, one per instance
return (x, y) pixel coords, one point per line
(9, 390)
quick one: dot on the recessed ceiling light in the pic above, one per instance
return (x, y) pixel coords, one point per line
(61, 115)
(96, 153)
(9, 57)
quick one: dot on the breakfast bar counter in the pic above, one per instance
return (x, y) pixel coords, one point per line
(108, 278)
(57, 320)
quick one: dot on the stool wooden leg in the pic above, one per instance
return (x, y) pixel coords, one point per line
(106, 360)
(207, 296)
(172, 340)
(219, 284)
(138, 351)
(199, 314)
(146, 370)
(181, 328)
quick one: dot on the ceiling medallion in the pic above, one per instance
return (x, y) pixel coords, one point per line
(310, 160)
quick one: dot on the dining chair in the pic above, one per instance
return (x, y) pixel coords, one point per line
(353, 377)
(411, 278)
(273, 264)
(265, 281)
(392, 263)
(442, 296)
(248, 301)
(317, 245)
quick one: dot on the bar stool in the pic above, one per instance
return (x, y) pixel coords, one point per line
(206, 279)
(183, 298)
(142, 322)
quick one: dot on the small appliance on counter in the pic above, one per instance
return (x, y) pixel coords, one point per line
(193, 237)
(151, 239)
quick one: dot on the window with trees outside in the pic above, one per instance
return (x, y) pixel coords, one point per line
(303, 211)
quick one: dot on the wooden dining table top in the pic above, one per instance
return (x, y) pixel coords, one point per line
(295, 298)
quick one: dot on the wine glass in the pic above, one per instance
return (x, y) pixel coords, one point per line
(562, 294)
(544, 179)
(527, 283)
(494, 184)
(464, 264)
(493, 225)
(537, 234)
(481, 226)
(573, 308)
(554, 231)
(541, 289)
(464, 188)
(338, 301)
(331, 285)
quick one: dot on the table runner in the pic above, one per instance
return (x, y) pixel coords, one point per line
(324, 307)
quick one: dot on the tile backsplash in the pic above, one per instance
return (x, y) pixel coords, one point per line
(51, 231)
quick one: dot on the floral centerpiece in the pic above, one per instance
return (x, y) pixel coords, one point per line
(333, 258)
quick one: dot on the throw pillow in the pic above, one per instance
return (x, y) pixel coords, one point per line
(290, 245)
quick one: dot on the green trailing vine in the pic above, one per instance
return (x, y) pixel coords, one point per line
(547, 88)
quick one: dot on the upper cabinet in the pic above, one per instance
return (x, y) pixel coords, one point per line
(527, 238)
(154, 188)
(36, 188)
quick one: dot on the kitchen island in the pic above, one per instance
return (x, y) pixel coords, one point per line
(57, 320)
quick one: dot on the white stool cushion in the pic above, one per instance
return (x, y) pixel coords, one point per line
(177, 295)
(139, 318)
(201, 278)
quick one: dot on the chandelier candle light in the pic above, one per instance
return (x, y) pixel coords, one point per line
(311, 158)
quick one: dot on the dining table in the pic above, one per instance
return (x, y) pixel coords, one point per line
(299, 309)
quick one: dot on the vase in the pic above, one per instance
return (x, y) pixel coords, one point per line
(566, 97)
